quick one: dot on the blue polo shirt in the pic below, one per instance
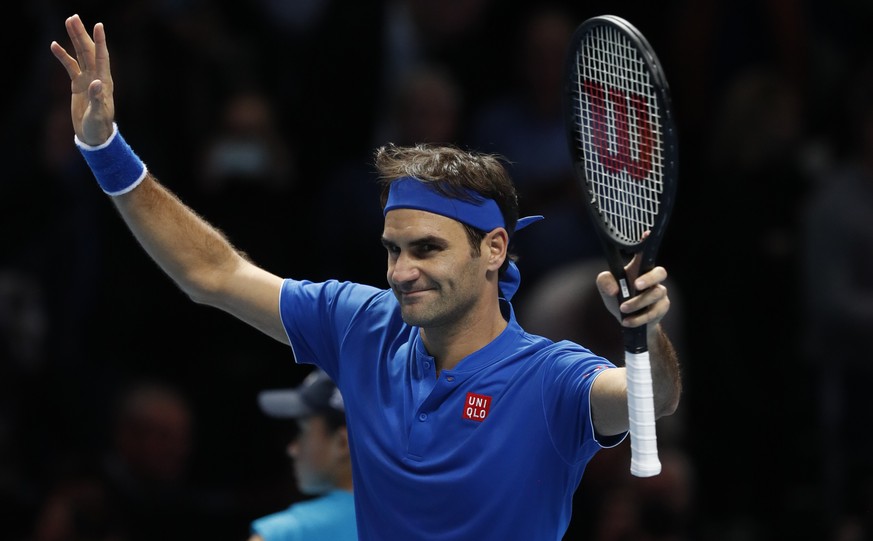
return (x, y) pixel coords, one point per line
(492, 450)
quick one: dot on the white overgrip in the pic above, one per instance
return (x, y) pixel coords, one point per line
(641, 414)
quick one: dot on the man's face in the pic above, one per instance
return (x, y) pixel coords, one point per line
(432, 269)
(317, 454)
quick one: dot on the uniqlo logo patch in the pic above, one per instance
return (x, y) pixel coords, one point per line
(476, 407)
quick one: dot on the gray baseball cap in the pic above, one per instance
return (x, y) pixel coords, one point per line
(317, 394)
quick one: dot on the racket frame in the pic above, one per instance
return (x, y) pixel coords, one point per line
(619, 250)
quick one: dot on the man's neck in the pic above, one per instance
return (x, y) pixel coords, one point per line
(449, 345)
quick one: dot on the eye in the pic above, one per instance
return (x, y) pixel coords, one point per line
(426, 249)
(391, 248)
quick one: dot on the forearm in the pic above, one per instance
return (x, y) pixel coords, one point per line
(194, 254)
(666, 379)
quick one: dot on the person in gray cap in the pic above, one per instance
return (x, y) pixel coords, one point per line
(322, 464)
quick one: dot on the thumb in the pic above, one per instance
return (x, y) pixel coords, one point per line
(608, 288)
(95, 92)
(606, 284)
(97, 121)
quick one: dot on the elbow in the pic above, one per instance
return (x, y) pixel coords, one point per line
(670, 405)
(209, 284)
(198, 294)
(667, 409)
(202, 288)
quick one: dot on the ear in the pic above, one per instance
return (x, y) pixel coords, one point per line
(341, 441)
(496, 247)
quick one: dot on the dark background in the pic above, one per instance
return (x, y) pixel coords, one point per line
(767, 99)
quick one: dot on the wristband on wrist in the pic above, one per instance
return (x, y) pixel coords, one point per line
(116, 167)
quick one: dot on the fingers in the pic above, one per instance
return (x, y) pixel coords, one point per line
(101, 52)
(651, 278)
(82, 43)
(647, 307)
(68, 62)
(608, 285)
(652, 301)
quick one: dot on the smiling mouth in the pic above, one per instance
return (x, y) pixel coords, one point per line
(413, 295)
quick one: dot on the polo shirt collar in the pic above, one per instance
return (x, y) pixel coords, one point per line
(491, 353)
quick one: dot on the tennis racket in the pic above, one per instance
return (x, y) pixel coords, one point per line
(624, 149)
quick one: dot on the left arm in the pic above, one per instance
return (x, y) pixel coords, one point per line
(609, 393)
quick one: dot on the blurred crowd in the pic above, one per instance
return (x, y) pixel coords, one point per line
(128, 413)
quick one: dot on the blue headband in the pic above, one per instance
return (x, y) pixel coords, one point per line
(483, 214)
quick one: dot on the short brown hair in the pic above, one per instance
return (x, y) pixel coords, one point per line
(453, 172)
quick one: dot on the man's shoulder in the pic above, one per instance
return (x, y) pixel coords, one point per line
(333, 292)
(331, 513)
(545, 352)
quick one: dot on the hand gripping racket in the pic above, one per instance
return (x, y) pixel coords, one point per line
(623, 145)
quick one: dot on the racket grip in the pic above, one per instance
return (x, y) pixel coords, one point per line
(641, 414)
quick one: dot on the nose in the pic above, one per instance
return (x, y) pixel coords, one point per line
(402, 269)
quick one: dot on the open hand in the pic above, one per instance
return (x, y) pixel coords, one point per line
(92, 107)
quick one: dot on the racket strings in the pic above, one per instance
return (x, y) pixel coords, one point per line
(619, 133)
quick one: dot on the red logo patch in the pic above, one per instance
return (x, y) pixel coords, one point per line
(476, 407)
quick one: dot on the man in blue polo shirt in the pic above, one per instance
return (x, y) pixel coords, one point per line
(461, 425)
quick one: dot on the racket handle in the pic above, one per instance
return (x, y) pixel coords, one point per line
(641, 414)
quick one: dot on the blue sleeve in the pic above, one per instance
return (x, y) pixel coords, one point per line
(328, 517)
(316, 317)
(281, 526)
(568, 383)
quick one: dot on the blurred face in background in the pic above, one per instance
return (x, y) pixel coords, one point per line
(154, 436)
(319, 454)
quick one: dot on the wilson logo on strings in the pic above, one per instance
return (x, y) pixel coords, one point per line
(621, 128)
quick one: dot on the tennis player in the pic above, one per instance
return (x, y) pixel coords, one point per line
(461, 425)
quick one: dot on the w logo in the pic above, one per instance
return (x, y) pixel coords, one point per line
(621, 129)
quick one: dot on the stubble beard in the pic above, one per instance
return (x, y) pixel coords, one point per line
(439, 312)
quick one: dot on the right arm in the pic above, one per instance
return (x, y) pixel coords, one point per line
(197, 256)
(200, 259)
(609, 394)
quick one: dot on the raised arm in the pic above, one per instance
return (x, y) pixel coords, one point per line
(609, 395)
(196, 255)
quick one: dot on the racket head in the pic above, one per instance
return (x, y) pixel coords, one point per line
(621, 133)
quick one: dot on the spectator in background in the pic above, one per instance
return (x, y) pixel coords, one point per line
(526, 125)
(142, 488)
(78, 506)
(456, 34)
(148, 469)
(48, 289)
(427, 107)
(658, 508)
(838, 313)
(757, 155)
(322, 464)
(249, 161)
(248, 147)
